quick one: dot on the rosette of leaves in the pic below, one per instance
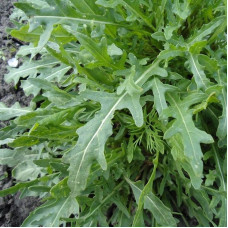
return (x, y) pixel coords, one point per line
(127, 125)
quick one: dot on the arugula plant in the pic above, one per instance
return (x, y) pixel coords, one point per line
(127, 125)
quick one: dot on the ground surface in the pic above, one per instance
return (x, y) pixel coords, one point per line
(12, 210)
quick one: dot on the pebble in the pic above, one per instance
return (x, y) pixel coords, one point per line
(13, 62)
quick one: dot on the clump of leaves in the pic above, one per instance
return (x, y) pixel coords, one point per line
(127, 126)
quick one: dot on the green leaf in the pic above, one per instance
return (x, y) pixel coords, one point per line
(17, 187)
(53, 74)
(86, 6)
(210, 178)
(206, 29)
(29, 69)
(177, 150)
(200, 78)
(26, 170)
(100, 128)
(161, 213)
(43, 117)
(60, 190)
(132, 6)
(13, 157)
(159, 90)
(24, 141)
(14, 111)
(222, 127)
(129, 84)
(94, 134)
(7, 157)
(172, 52)
(39, 189)
(59, 97)
(97, 204)
(114, 50)
(99, 51)
(130, 149)
(181, 9)
(191, 136)
(202, 197)
(120, 88)
(50, 213)
(61, 14)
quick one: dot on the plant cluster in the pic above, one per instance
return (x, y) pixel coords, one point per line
(127, 125)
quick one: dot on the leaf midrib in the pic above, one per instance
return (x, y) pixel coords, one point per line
(49, 76)
(35, 67)
(186, 128)
(139, 14)
(78, 19)
(14, 109)
(224, 100)
(204, 33)
(198, 71)
(56, 217)
(151, 201)
(103, 122)
(159, 95)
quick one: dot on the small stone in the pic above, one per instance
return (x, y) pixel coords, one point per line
(13, 62)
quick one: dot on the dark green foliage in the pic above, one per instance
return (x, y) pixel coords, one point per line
(127, 126)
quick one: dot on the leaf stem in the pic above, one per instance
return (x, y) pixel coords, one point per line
(145, 191)
(182, 216)
(103, 201)
(217, 162)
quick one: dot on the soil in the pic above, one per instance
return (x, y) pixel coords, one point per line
(12, 209)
